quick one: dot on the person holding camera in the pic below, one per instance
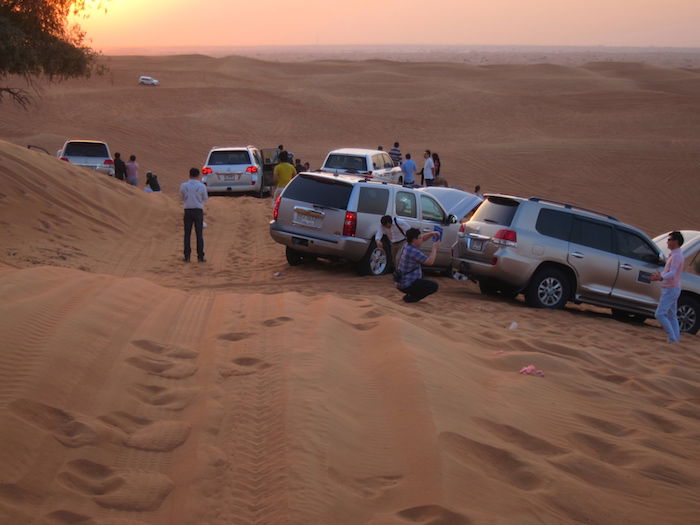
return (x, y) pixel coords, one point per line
(409, 276)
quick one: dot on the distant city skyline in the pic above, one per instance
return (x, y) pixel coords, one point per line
(185, 23)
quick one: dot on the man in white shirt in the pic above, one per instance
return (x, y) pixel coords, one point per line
(194, 195)
(670, 278)
(428, 168)
(395, 232)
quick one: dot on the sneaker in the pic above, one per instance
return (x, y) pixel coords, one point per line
(201, 259)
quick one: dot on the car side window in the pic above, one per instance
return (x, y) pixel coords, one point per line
(592, 234)
(554, 223)
(629, 244)
(377, 163)
(388, 163)
(430, 210)
(693, 264)
(406, 204)
(373, 200)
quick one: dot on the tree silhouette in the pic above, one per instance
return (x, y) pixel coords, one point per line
(36, 39)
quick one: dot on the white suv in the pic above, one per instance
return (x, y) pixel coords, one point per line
(370, 163)
(148, 81)
(235, 170)
(90, 154)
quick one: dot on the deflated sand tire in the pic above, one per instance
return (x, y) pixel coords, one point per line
(294, 258)
(375, 261)
(549, 288)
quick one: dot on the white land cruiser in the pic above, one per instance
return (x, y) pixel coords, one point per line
(370, 163)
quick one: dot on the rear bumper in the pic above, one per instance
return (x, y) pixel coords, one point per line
(350, 248)
(509, 268)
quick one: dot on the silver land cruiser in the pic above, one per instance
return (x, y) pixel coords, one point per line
(554, 252)
(91, 154)
(236, 170)
(336, 216)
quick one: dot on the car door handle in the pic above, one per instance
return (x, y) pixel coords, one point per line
(626, 266)
(578, 255)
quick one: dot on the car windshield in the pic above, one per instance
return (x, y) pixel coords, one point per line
(220, 158)
(496, 210)
(86, 149)
(346, 162)
(328, 193)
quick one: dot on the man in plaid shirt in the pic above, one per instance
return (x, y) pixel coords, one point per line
(410, 279)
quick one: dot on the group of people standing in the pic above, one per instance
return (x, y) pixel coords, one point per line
(429, 173)
(129, 172)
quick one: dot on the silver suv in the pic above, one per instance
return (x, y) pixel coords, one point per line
(235, 170)
(336, 216)
(90, 154)
(555, 252)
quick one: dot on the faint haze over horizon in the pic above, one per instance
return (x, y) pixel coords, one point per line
(129, 24)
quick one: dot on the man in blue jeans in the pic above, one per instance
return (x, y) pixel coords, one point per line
(410, 274)
(670, 279)
(194, 195)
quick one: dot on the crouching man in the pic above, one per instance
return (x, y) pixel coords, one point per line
(409, 276)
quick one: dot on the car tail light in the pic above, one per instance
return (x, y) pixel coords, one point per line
(494, 261)
(276, 209)
(463, 227)
(252, 169)
(206, 171)
(350, 224)
(505, 238)
(64, 158)
(109, 162)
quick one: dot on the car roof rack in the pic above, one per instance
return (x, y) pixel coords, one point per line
(573, 207)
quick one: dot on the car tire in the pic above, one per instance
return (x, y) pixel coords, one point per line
(688, 314)
(375, 261)
(294, 258)
(487, 287)
(549, 288)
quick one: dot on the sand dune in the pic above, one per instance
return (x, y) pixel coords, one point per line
(135, 389)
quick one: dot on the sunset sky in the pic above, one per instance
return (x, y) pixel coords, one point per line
(135, 23)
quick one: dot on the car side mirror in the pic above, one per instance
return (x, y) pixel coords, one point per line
(451, 219)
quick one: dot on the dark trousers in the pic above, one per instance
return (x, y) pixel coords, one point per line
(420, 289)
(194, 216)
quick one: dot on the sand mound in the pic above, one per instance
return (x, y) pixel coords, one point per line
(137, 389)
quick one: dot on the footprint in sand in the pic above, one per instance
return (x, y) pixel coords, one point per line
(602, 449)
(120, 490)
(67, 428)
(144, 434)
(235, 336)
(276, 321)
(153, 347)
(244, 366)
(659, 422)
(520, 438)
(160, 396)
(374, 313)
(163, 367)
(501, 463)
(607, 427)
(433, 514)
(67, 517)
(371, 487)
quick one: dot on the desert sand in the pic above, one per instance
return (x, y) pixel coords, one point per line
(135, 389)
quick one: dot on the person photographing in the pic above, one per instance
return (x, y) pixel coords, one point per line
(410, 273)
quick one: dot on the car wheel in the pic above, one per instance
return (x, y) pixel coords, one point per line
(294, 258)
(688, 314)
(549, 288)
(487, 287)
(261, 192)
(375, 261)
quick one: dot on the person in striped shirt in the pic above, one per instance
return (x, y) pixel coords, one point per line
(395, 154)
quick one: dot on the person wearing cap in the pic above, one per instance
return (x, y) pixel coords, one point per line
(670, 278)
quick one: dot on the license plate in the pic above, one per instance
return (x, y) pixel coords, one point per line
(476, 244)
(233, 177)
(307, 220)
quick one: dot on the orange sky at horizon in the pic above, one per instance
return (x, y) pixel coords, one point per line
(186, 23)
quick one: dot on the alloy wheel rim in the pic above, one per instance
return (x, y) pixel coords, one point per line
(550, 291)
(686, 317)
(377, 261)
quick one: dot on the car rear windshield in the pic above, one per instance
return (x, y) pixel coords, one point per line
(86, 149)
(346, 162)
(328, 193)
(496, 210)
(221, 158)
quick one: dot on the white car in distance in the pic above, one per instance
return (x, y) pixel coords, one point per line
(148, 81)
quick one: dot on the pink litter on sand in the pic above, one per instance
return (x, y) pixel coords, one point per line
(497, 352)
(531, 370)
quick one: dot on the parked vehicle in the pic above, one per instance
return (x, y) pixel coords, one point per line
(554, 252)
(336, 216)
(459, 203)
(236, 170)
(689, 301)
(90, 154)
(148, 81)
(370, 163)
